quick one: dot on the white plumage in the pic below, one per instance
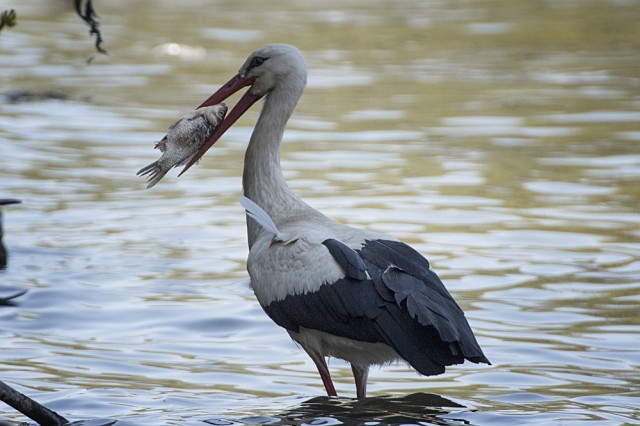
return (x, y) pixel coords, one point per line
(339, 291)
(256, 213)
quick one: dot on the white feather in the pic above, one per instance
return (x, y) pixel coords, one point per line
(255, 212)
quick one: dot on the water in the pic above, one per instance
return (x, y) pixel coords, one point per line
(500, 138)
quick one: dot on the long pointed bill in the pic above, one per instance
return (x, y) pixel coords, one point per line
(231, 87)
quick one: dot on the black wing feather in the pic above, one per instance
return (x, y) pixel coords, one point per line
(388, 295)
(347, 258)
(408, 275)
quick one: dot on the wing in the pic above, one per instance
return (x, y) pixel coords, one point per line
(421, 305)
(386, 294)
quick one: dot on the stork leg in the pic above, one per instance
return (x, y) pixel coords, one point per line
(361, 375)
(321, 365)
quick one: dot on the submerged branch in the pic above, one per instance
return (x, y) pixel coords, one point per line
(8, 300)
(30, 408)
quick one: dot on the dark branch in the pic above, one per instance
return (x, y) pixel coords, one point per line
(7, 18)
(8, 301)
(89, 16)
(30, 408)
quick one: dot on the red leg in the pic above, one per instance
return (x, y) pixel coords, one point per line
(321, 365)
(361, 375)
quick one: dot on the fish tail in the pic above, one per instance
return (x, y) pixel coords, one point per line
(148, 169)
(155, 177)
(154, 171)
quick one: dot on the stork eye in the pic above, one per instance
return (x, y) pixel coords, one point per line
(257, 61)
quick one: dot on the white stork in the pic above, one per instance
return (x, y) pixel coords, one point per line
(339, 291)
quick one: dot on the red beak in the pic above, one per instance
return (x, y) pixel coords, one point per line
(231, 87)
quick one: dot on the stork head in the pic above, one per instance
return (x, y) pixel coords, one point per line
(271, 66)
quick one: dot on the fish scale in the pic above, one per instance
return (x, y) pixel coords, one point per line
(184, 139)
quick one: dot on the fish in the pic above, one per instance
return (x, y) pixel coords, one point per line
(184, 139)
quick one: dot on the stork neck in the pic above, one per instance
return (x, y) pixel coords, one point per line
(263, 180)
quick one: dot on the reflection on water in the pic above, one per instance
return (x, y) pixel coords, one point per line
(417, 408)
(498, 138)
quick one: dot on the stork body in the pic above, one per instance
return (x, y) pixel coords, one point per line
(339, 291)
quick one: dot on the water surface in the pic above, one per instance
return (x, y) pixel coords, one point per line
(499, 138)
